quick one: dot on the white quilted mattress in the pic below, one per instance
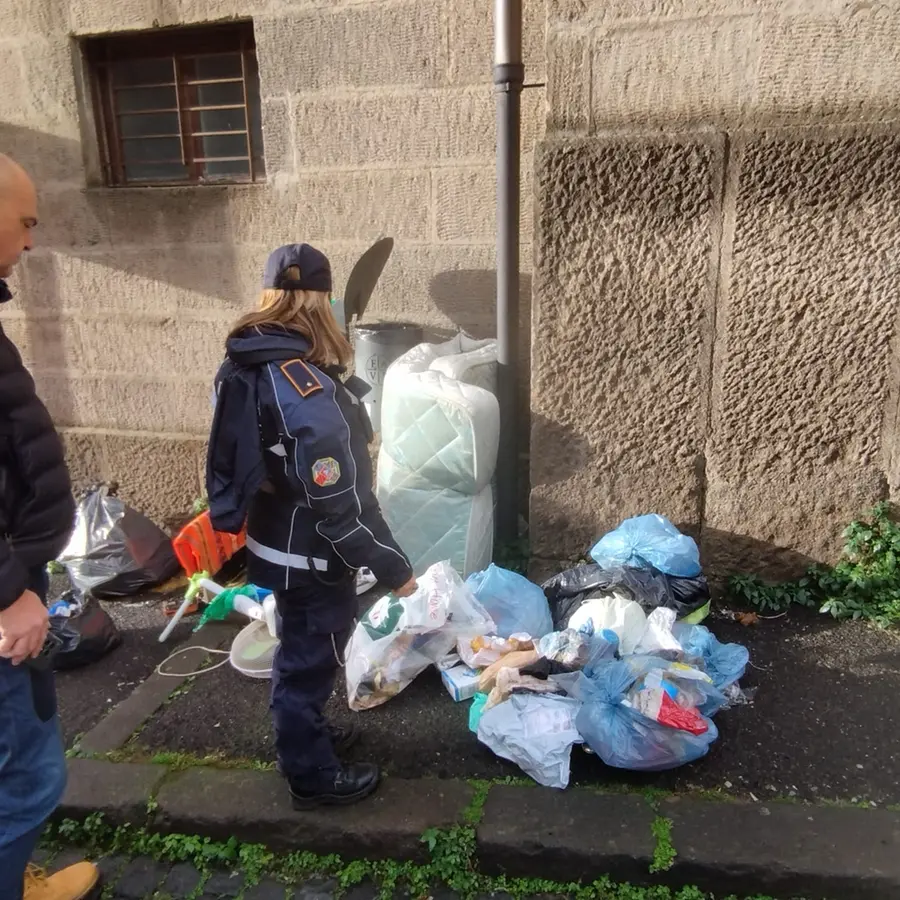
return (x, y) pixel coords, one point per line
(440, 430)
(437, 525)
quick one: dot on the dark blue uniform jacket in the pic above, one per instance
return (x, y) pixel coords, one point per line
(288, 453)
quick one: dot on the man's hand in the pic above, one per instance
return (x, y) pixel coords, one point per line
(408, 589)
(23, 628)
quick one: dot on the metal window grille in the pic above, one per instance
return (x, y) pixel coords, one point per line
(178, 106)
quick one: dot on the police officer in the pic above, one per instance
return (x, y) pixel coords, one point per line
(288, 453)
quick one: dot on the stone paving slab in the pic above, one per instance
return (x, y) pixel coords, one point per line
(576, 836)
(786, 849)
(780, 849)
(255, 807)
(123, 789)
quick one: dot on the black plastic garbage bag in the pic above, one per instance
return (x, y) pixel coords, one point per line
(115, 551)
(651, 589)
(86, 636)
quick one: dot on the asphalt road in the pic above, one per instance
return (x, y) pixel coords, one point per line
(823, 723)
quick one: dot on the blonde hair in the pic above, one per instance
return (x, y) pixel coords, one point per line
(307, 312)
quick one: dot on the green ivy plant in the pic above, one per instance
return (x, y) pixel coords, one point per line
(864, 584)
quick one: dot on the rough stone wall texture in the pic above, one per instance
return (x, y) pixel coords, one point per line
(378, 118)
(716, 273)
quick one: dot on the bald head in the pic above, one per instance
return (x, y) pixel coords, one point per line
(18, 213)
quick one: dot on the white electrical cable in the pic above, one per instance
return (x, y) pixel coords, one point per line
(210, 650)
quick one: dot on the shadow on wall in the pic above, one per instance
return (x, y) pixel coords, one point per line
(467, 297)
(114, 251)
(722, 553)
(116, 227)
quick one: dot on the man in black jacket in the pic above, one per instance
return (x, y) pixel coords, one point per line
(36, 517)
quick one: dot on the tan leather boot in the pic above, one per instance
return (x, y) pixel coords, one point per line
(77, 882)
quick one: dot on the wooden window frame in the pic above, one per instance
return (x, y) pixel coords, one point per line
(179, 45)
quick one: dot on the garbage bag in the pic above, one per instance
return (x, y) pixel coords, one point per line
(724, 663)
(651, 589)
(658, 638)
(626, 737)
(86, 630)
(115, 551)
(615, 613)
(536, 732)
(649, 542)
(397, 639)
(516, 605)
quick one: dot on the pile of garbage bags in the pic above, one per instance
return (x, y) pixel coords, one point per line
(610, 654)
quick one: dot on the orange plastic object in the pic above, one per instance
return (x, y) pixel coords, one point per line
(200, 548)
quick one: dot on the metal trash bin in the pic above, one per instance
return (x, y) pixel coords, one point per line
(377, 346)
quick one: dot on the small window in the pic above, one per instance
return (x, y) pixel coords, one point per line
(178, 106)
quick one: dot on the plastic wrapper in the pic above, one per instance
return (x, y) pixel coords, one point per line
(536, 732)
(516, 605)
(649, 542)
(724, 663)
(86, 630)
(399, 638)
(615, 613)
(568, 590)
(658, 639)
(114, 551)
(476, 710)
(482, 651)
(517, 660)
(622, 735)
(512, 681)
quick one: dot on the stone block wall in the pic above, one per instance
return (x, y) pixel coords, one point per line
(378, 119)
(716, 273)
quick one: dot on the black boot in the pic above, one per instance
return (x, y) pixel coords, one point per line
(349, 786)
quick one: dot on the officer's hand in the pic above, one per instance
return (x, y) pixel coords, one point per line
(408, 589)
(23, 628)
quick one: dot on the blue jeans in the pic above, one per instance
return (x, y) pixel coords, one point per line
(32, 762)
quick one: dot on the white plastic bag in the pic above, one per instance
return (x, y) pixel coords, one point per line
(658, 639)
(399, 638)
(536, 732)
(612, 612)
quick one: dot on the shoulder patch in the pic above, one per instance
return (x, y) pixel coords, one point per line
(302, 377)
(326, 472)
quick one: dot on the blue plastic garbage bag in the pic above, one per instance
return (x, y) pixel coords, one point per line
(621, 736)
(515, 604)
(649, 541)
(724, 663)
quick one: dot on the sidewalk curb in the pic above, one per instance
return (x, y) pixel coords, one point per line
(781, 849)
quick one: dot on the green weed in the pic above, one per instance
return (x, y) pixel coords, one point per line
(864, 584)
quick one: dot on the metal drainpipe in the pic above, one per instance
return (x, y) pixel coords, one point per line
(509, 76)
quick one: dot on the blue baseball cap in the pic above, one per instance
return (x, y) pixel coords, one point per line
(315, 270)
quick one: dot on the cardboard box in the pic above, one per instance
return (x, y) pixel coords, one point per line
(461, 682)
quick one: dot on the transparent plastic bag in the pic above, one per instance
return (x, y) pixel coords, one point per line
(724, 663)
(649, 542)
(621, 735)
(516, 605)
(397, 639)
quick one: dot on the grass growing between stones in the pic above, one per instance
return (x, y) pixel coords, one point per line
(452, 862)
